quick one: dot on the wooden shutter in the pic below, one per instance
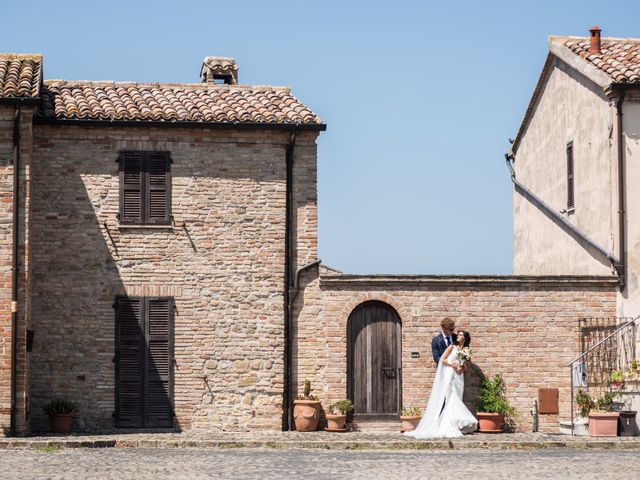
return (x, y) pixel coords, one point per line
(131, 187)
(130, 352)
(144, 362)
(570, 187)
(145, 187)
(158, 388)
(158, 188)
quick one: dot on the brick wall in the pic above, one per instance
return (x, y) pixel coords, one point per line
(524, 328)
(6, 237)
(223, 261)
(6, 279)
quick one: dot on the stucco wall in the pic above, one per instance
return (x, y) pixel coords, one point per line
(570, 108)
(526, 329)
(630, 298)
(223, 261)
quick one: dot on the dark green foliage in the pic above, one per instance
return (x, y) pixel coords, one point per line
(492, 398)
(59, 406)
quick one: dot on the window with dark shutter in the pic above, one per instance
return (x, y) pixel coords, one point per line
(570, 186)
(144, 361)
(145, 188)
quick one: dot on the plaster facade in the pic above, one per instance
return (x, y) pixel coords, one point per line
(570, 108)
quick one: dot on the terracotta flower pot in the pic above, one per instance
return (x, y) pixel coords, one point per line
(490, 422)
(60, 422)
(306, 414)
(409, 422)
(336, 422)
(603, 424)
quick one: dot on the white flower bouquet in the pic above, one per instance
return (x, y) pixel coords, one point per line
(464, 355)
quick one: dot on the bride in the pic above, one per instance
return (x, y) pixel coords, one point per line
(446, 415)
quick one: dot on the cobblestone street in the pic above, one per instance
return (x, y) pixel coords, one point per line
(192, 463)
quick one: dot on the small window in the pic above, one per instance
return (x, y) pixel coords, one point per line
(145, 188)
(571, 205)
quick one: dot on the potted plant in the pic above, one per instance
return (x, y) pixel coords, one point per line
(61, 413)
(492, 405)
(410, 418)
(337, 415)
(306, 410)
(617, 379)
(602, 421)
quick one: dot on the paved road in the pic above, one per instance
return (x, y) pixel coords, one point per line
(192, 463)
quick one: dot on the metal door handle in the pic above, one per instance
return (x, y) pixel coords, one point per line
(389, 372)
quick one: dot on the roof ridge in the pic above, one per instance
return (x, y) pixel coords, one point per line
(194, 86)
(586, 39)
(22, 56)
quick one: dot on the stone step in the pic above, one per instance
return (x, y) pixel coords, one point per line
(375, 425)
(579, 427)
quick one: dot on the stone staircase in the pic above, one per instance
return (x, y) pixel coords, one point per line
(375, 424)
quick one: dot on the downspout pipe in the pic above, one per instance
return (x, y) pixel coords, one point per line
(14, 270)
(286, 398)
(293, 294)
(622, 193)
(296, 280)
(558, 218)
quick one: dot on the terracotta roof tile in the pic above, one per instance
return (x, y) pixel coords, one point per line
(620, 58)
(20, 75)
(172, 103)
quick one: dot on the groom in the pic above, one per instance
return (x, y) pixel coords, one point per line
(445, 338)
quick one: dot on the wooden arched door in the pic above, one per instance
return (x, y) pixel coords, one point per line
(374, 370)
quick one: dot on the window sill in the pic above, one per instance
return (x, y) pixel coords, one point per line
(130, 226)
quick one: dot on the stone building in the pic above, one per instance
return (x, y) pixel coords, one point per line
(161, 270)
(157, 226)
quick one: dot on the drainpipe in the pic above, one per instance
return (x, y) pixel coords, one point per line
(286, 398)
(622, 194)
(293, 294)
(574, 231)
(296, 280)
(14, 269)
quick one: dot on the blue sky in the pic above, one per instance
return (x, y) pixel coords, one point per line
(419, 97)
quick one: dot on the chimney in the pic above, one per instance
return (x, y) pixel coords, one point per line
(594, 39)
(219, 70)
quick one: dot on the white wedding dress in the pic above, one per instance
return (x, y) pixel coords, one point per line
(455, 419)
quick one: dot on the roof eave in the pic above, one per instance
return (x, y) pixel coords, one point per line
(317, 127)
(31, 101)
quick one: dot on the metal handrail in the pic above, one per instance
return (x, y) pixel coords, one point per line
(625, 325)
(591, 349)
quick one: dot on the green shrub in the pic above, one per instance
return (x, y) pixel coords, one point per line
(342, 406)
(492, 398)
(585, 402)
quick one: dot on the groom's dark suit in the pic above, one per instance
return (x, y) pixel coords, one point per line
(439, 345)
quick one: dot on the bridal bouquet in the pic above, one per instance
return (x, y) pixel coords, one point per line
(464, 355)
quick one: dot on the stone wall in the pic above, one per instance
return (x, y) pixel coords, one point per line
(222, 260)
(6, 238)
(523, 327)
(7, 114)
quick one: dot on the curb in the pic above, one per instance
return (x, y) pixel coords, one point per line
(320, 445)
